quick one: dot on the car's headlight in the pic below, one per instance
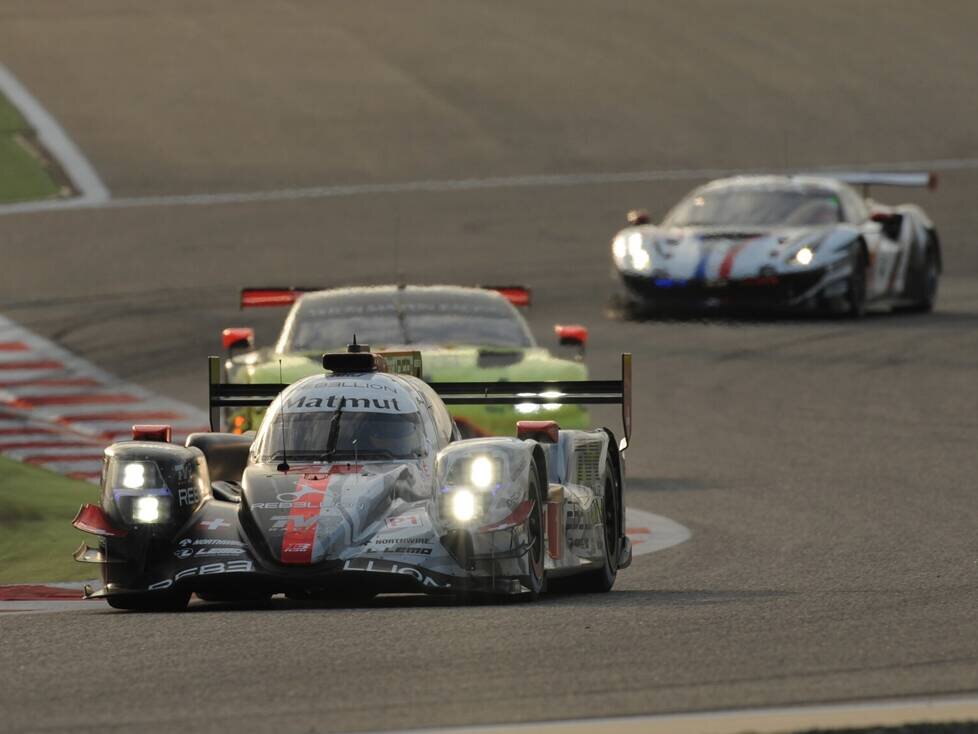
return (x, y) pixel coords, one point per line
(619, 247)
(804, 256)
(482, 472)
(629, 251)
(140, 492)
(463, 505)
(146, 509)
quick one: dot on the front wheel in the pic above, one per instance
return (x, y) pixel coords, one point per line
(150, 602)
(535, 580)
(601, 579)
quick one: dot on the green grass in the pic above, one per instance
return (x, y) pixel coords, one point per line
(36, 537)
(23, 176)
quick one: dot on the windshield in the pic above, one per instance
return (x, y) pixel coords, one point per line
(326, 323)
(355, 436)
(756, 208)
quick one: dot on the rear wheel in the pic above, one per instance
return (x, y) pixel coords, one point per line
(602, 579)
(856, 291)
(923, 285)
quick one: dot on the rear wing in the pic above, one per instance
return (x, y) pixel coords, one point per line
(919, 179)
(276, 296)
(575, 392)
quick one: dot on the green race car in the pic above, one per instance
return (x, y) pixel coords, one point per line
(464, 334)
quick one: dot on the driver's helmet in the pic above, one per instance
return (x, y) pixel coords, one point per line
(397, 433)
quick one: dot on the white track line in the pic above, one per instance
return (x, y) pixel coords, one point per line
(58, 144)
(894, 712)
(455, 185)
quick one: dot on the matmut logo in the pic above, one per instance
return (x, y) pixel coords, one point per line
(351, 400)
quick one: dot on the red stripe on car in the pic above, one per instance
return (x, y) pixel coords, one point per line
(13, 347)
(727, 265)
(300, 532)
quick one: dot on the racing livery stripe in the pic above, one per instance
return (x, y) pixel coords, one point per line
(300, 532)
(700, 273)
(727, 265)
(13, 347)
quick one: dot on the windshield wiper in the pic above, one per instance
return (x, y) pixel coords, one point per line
(334, 432)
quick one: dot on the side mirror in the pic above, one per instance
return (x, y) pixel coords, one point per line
(572, 335)
(238, 338)
(638, 216)
(890, 222)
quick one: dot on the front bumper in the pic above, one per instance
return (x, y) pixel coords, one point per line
(775, 291)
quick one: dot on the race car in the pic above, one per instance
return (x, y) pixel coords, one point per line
(807, 242)
(359, 483)
(463, 333)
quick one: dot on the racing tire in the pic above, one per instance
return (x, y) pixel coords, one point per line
(241, 597)
(923, 286)
(168, 602)
(600, 581)
(536, 580)
(856, 290)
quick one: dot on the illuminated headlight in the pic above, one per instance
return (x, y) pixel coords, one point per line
(619, 247)
(134, 476)
(482, 472)
(629, 251)
(526, 408)
(146, 509)
(463, 505)
(804, 256)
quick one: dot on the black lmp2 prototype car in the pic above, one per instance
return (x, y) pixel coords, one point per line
(358, 483)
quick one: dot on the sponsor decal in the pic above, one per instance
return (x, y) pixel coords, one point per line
(197, 547)
(198, 552)
(408, 520)
(346, 402)
(416, 540)
(188, 496)
(215, 524)
(282, 505)
(371, 565)
(412, 550)
(206, 570)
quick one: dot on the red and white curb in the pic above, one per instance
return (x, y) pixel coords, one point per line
(58, 411)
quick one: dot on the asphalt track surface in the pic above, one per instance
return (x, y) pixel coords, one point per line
(827, 469)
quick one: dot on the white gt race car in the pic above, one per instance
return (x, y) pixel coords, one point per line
(806, 242)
